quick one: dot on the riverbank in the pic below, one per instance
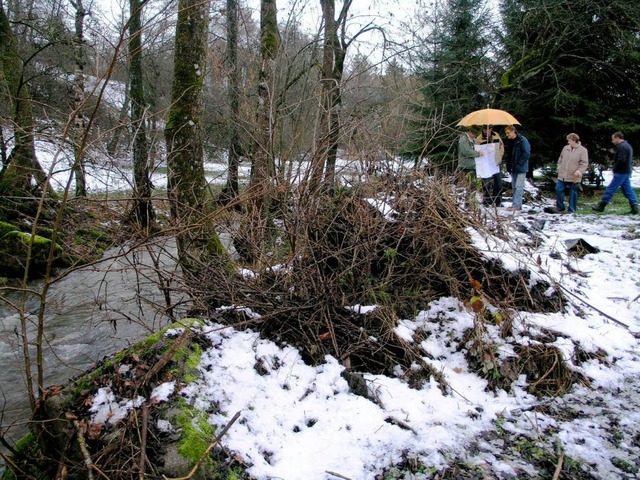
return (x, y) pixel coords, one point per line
(303, 421)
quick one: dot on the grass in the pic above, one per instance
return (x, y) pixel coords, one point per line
(619, 205)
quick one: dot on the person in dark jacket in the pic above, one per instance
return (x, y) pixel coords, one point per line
(622, 165)
(519, 166)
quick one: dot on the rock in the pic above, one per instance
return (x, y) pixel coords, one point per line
(15, 247)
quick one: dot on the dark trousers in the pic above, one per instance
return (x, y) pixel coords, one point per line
(492, 190)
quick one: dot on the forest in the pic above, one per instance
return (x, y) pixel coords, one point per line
(318, 115)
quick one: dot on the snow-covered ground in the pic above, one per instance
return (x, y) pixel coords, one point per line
(302, 422)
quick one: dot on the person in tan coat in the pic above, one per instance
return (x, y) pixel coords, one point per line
(492, 186)
(572, 163)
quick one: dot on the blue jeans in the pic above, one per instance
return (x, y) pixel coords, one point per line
(573, 195)
(620, 181)
(517, 185)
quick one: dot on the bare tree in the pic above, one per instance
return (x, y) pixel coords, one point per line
(231, 189)
(199, 247)
(79, 124)
(328, 86)
(254, 228)
(142, 211)
(335, 47)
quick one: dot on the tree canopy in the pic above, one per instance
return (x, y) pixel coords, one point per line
(572, 67)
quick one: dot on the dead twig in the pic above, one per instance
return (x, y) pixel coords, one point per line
(160, 364)
(14, 468)
(208, 450)
(83, 445)
(566, 290)
(143, 439)
(337, 475)
(547, 373)
(401, 424)
(91, 467)
(558, 471)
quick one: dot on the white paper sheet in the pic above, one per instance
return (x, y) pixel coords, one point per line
(486, 163)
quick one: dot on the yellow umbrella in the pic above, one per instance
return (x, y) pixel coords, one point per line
(488, 116)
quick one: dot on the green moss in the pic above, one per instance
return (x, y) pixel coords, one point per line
(190, 378)
(46, 232)
(25, 443)
(86, 382)
(197, 433)
(8, 180)
(91, 233)
(155, 337)
(17, 244)
(6, 228)
(26, 447)
(193, 359)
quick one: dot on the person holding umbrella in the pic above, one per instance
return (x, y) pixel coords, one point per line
(486, 117)
(492, 186)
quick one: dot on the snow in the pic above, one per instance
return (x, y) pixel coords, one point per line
(162, 392)
(106, 408)
(302, 422)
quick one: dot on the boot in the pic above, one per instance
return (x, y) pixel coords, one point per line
(634, 208)
(599, 207)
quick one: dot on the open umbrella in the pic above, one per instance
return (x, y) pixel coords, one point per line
(488, 116)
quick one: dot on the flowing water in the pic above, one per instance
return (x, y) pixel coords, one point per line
(91, 313)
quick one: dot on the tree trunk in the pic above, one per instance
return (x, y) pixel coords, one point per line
(21, 166)
(255, 226)
(142, 211)
(3, 144)
(321, 152)
(77, 131)
(200, 250)
(231, 189)
(335, 102)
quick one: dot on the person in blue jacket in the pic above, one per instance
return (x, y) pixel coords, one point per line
(519, 165)
(622, 165)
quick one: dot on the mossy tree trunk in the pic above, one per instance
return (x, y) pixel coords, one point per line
(231, 188)
(255, 227)
(200, 250)
(21, 166)
(142, 210)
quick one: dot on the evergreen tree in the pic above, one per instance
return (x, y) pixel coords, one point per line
(572, 66)
(455, 73)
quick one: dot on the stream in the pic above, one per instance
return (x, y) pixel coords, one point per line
(91, 313)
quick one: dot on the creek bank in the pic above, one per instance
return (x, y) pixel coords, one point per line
(80, 235)
(125, 417)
